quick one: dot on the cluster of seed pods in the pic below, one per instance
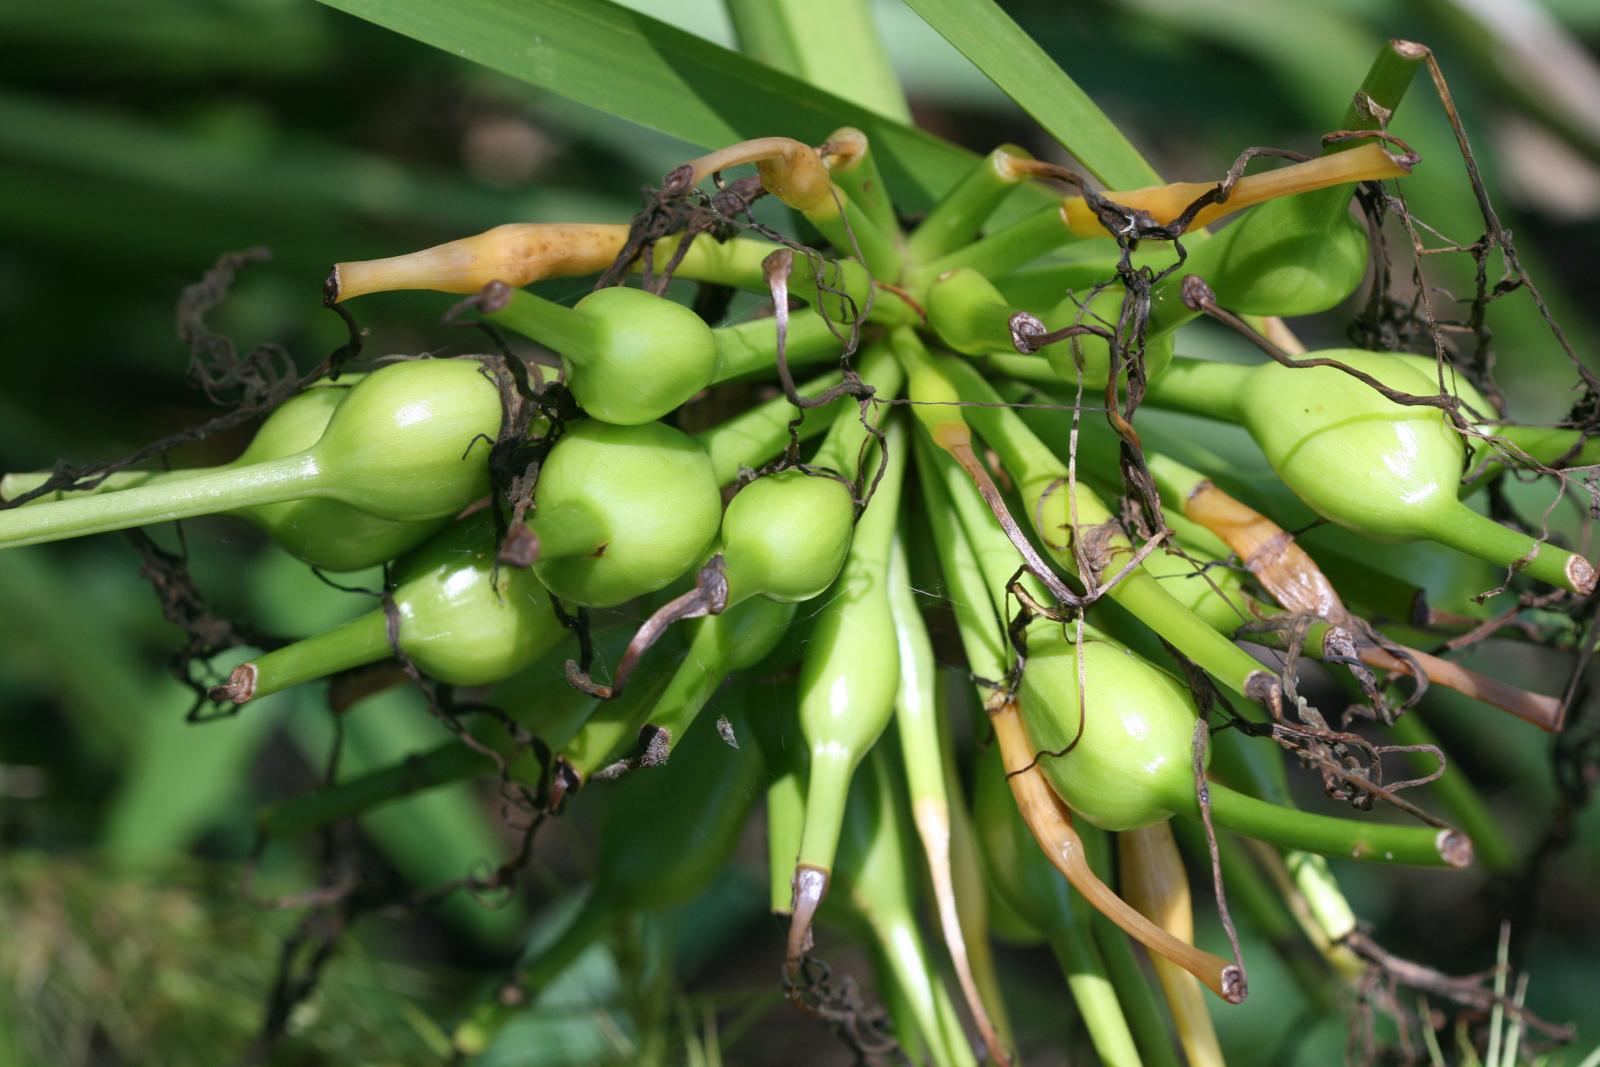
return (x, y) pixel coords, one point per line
(944, 409)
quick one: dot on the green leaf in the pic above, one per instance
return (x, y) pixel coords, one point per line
(1023, 71)
(630, 65)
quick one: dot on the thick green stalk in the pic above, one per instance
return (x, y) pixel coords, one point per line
(220, 490)
(956, 219)
(450, 761)
(854, 168)
(1374, 842)
(1457, 795)
(1002, 251)
(760, 433)
(361, 640)
(751, 348)
(556, 326)
(1095, 996)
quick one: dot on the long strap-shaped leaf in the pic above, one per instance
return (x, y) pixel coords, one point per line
(1023, 71)
(627, 64)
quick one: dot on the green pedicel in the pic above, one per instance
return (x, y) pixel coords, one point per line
(878, 891)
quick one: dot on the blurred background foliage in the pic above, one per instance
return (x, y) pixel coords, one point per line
(141, 138)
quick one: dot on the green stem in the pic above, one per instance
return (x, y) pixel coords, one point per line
(755, 436)
(219, 490)
(559, 328)
(566, 531)
(361, 640)
(1457, 795)
(1421, 846)
(1004, 250)
(1201, 387)
(450, 761)
(861, 180)
(916, 976)
(594, 918)
(1096, 997)
(827, 787)
(752, 347)
(902, 1013)
(956, 219)
(786, 814)
(15, 485)
(1144, 1010)
(1478, 535)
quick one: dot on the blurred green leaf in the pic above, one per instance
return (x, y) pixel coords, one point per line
(1025, 72)
(432, 838)
(630, 65)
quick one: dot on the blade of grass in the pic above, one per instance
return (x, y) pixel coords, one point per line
(1023, 71)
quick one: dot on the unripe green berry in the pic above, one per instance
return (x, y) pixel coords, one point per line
(1133, 762)
(646, 499)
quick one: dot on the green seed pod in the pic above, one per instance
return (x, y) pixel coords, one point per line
(1387, 471)
(1132, 765)
(405, 445)
(631, 356)
(1133, 756)
(323, 532)
(622, 511)
(1297, 256)
(455, 625)
(786, 535)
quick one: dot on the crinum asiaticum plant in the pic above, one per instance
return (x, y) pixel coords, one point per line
(785, 543)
